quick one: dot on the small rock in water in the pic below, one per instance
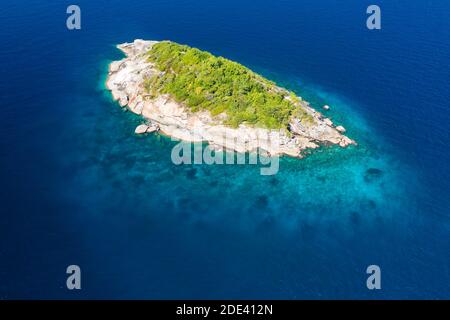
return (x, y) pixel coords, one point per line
(341, 129)
(345, 141)
(141, 129)
(326, 107)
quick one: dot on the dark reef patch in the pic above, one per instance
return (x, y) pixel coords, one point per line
(355, 218)
(368, 205)
(262, 202)
(191, 173)
(274, 181)
(372, 174)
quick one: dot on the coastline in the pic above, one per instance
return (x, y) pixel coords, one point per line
(126, 78)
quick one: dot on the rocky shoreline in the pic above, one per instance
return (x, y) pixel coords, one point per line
(126, 82)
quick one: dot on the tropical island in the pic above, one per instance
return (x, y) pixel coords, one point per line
(194, 96)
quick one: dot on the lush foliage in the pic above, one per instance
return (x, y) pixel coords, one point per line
(203, 81)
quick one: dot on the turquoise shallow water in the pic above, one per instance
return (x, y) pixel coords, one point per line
(354, 181)
(79, 187)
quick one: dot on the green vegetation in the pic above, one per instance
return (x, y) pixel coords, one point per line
(205, 82)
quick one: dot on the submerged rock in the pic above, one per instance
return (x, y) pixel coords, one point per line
(262, 202)
(372, 174)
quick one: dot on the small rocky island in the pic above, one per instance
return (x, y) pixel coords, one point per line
(191, 95)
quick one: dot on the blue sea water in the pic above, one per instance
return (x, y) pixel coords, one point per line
(78, 187)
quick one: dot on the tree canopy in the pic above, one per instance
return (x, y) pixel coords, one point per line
(203, 81)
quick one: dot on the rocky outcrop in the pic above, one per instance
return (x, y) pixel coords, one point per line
(341, 129)
(141, 129)
(126, 82)
(144, 128)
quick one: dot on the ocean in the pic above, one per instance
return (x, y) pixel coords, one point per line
(78, 187)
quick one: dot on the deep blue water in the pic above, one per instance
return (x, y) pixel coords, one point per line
(78, 187)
